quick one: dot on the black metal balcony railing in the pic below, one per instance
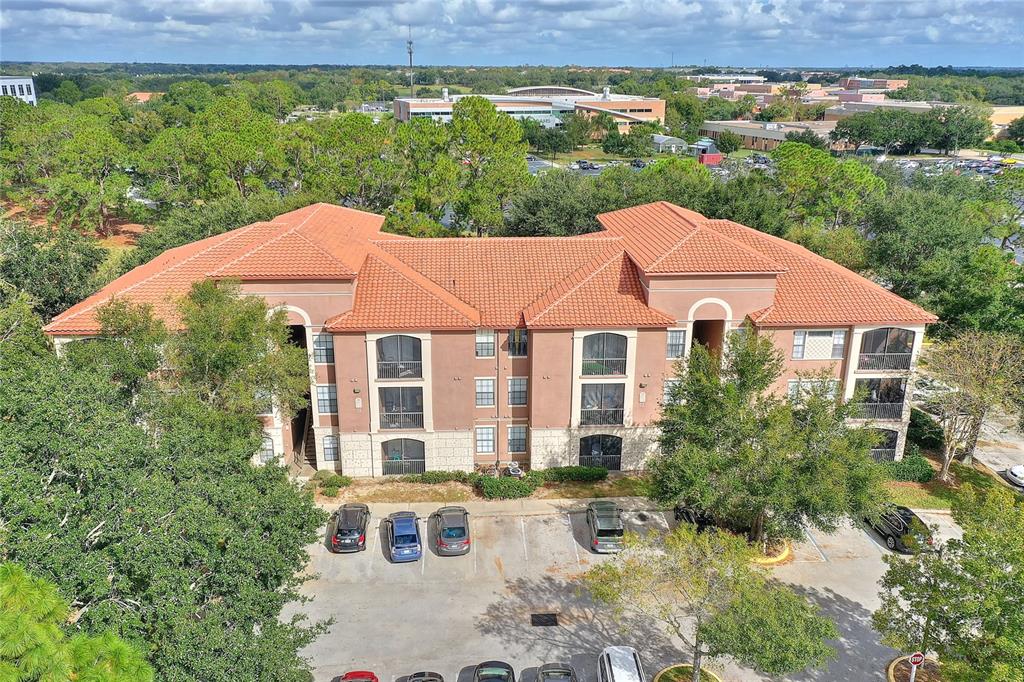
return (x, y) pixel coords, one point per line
(609, 462)
(884, 361)
(604, 367)
(601, 417)
(401, 467)
(883, 454)
(401, 420)
(400, 370)
(878, 410)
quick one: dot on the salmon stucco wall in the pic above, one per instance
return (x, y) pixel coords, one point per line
(453, 385)
(650, 370)
(783, 338)
(744, 294)
(551, 393)
(352, 382)
(319, 300)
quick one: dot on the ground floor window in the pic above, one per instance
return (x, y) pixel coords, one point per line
(403, 456)
(267, 454)
(601, 451)
(330, 448)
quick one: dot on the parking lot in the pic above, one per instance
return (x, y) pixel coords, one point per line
(446, 614)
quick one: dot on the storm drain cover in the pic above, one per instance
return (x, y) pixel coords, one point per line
(543, 619)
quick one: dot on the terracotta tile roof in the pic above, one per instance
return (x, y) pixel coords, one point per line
(703, 251)
(604, 293)
(289, 255)
(500, 277)
(390, 296)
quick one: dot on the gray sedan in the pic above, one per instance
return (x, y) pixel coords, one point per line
(451, 531)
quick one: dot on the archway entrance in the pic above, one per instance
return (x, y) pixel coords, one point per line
(710, 334)
(301, 426)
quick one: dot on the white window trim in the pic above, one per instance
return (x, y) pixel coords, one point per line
(494, 439)
(685, 333)
(526, 439)
(328, 335)
(493, 342)
(494, 391)
(334, 393)
(508, 391)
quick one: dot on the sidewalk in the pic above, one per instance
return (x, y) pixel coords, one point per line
(522, 507)
(1000, 444)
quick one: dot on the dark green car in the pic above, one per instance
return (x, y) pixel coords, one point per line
(604, 521)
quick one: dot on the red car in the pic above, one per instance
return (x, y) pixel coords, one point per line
(358, 676)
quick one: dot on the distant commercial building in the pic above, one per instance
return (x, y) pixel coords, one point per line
(860, 83)
(845, 109)
(545, 104)
(726, 77)
(765, 136)
(667, 143)
(705, 151)
(17, 86)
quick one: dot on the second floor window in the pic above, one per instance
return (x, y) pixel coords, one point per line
(676, 345)
(602, 404)
(485, 392)
(401, 407)
(485, 343)
(604, 354)
(799, 388)
(517, 391)
(323, 348)
(517, 343)
(399, 357)
(327, 399)
(888, 348)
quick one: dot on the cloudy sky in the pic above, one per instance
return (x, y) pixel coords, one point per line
(489, 32)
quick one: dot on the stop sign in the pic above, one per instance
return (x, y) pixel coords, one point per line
(916, 658)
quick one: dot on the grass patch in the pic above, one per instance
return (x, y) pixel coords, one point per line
(619, 486)
(938, 495)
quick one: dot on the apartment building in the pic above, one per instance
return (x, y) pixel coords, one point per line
(19, 87)
(447, 354)
(545, 104)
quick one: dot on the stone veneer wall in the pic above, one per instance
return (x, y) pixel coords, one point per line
(359, 454)
(560, 447)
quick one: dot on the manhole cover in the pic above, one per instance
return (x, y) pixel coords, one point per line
(543, 619)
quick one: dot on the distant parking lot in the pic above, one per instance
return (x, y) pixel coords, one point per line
(446, 614)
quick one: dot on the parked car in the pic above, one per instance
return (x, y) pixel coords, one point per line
(358, 676)
(494, 671)
(347, 527)
(574, 166)
(638, 163)
(620, 664)
(902, 530)
(556, 672)
(604, 520)
(425, 677)
(403, 537)
(1015, 475)
(451, 531)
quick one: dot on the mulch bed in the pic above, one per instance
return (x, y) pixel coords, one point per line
(927, 672)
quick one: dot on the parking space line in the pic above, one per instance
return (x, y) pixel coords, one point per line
(373, 538)
(424, 550)
(572, 539)
(522, 526)
(814, 542)
(473, 543)
(871, 540)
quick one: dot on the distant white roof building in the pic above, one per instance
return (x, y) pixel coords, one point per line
(20, 87)
(726, 77)
(668, 143)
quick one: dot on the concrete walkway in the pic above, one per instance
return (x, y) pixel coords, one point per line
(1000, 444)
(522, 507)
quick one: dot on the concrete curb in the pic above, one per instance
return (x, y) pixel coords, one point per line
(521, 507)
(890, 671)
(781, 557)
(703, 671)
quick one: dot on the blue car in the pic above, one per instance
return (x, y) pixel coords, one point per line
(403, 537)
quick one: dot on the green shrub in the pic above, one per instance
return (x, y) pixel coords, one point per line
(924, 431)
(506, 487)
(575, 473)
(913, 467)
(535, 478)
(335, 481)
(322, 474)
(437, 477)
(329, 491)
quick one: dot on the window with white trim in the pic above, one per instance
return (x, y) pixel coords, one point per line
(267, 454)
(800, 388)
(327, 399)
(485, 440)
(819, 344)
(517, 439)
(517, 391)
(676, 346)
(666, 391)
(485, 343)
(330, 448)
(323, 348)
(485, 392)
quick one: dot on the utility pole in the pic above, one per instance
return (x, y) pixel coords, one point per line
(408, 47)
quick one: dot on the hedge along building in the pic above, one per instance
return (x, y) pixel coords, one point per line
(450, 353)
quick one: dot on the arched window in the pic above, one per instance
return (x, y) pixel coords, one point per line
(267, 454)
(604, 354)
(601, 451)
(885, 449)
(887, 348)
(403, 456)
(399, 357)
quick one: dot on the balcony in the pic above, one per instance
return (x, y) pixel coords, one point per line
(400, 370)
(883, 454)
(604, 366)
(402, 467)
(605, 417)
(887, 411)
(401, 420)
(884, 361)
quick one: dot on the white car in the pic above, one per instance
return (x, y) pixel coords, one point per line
(1015, 475)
